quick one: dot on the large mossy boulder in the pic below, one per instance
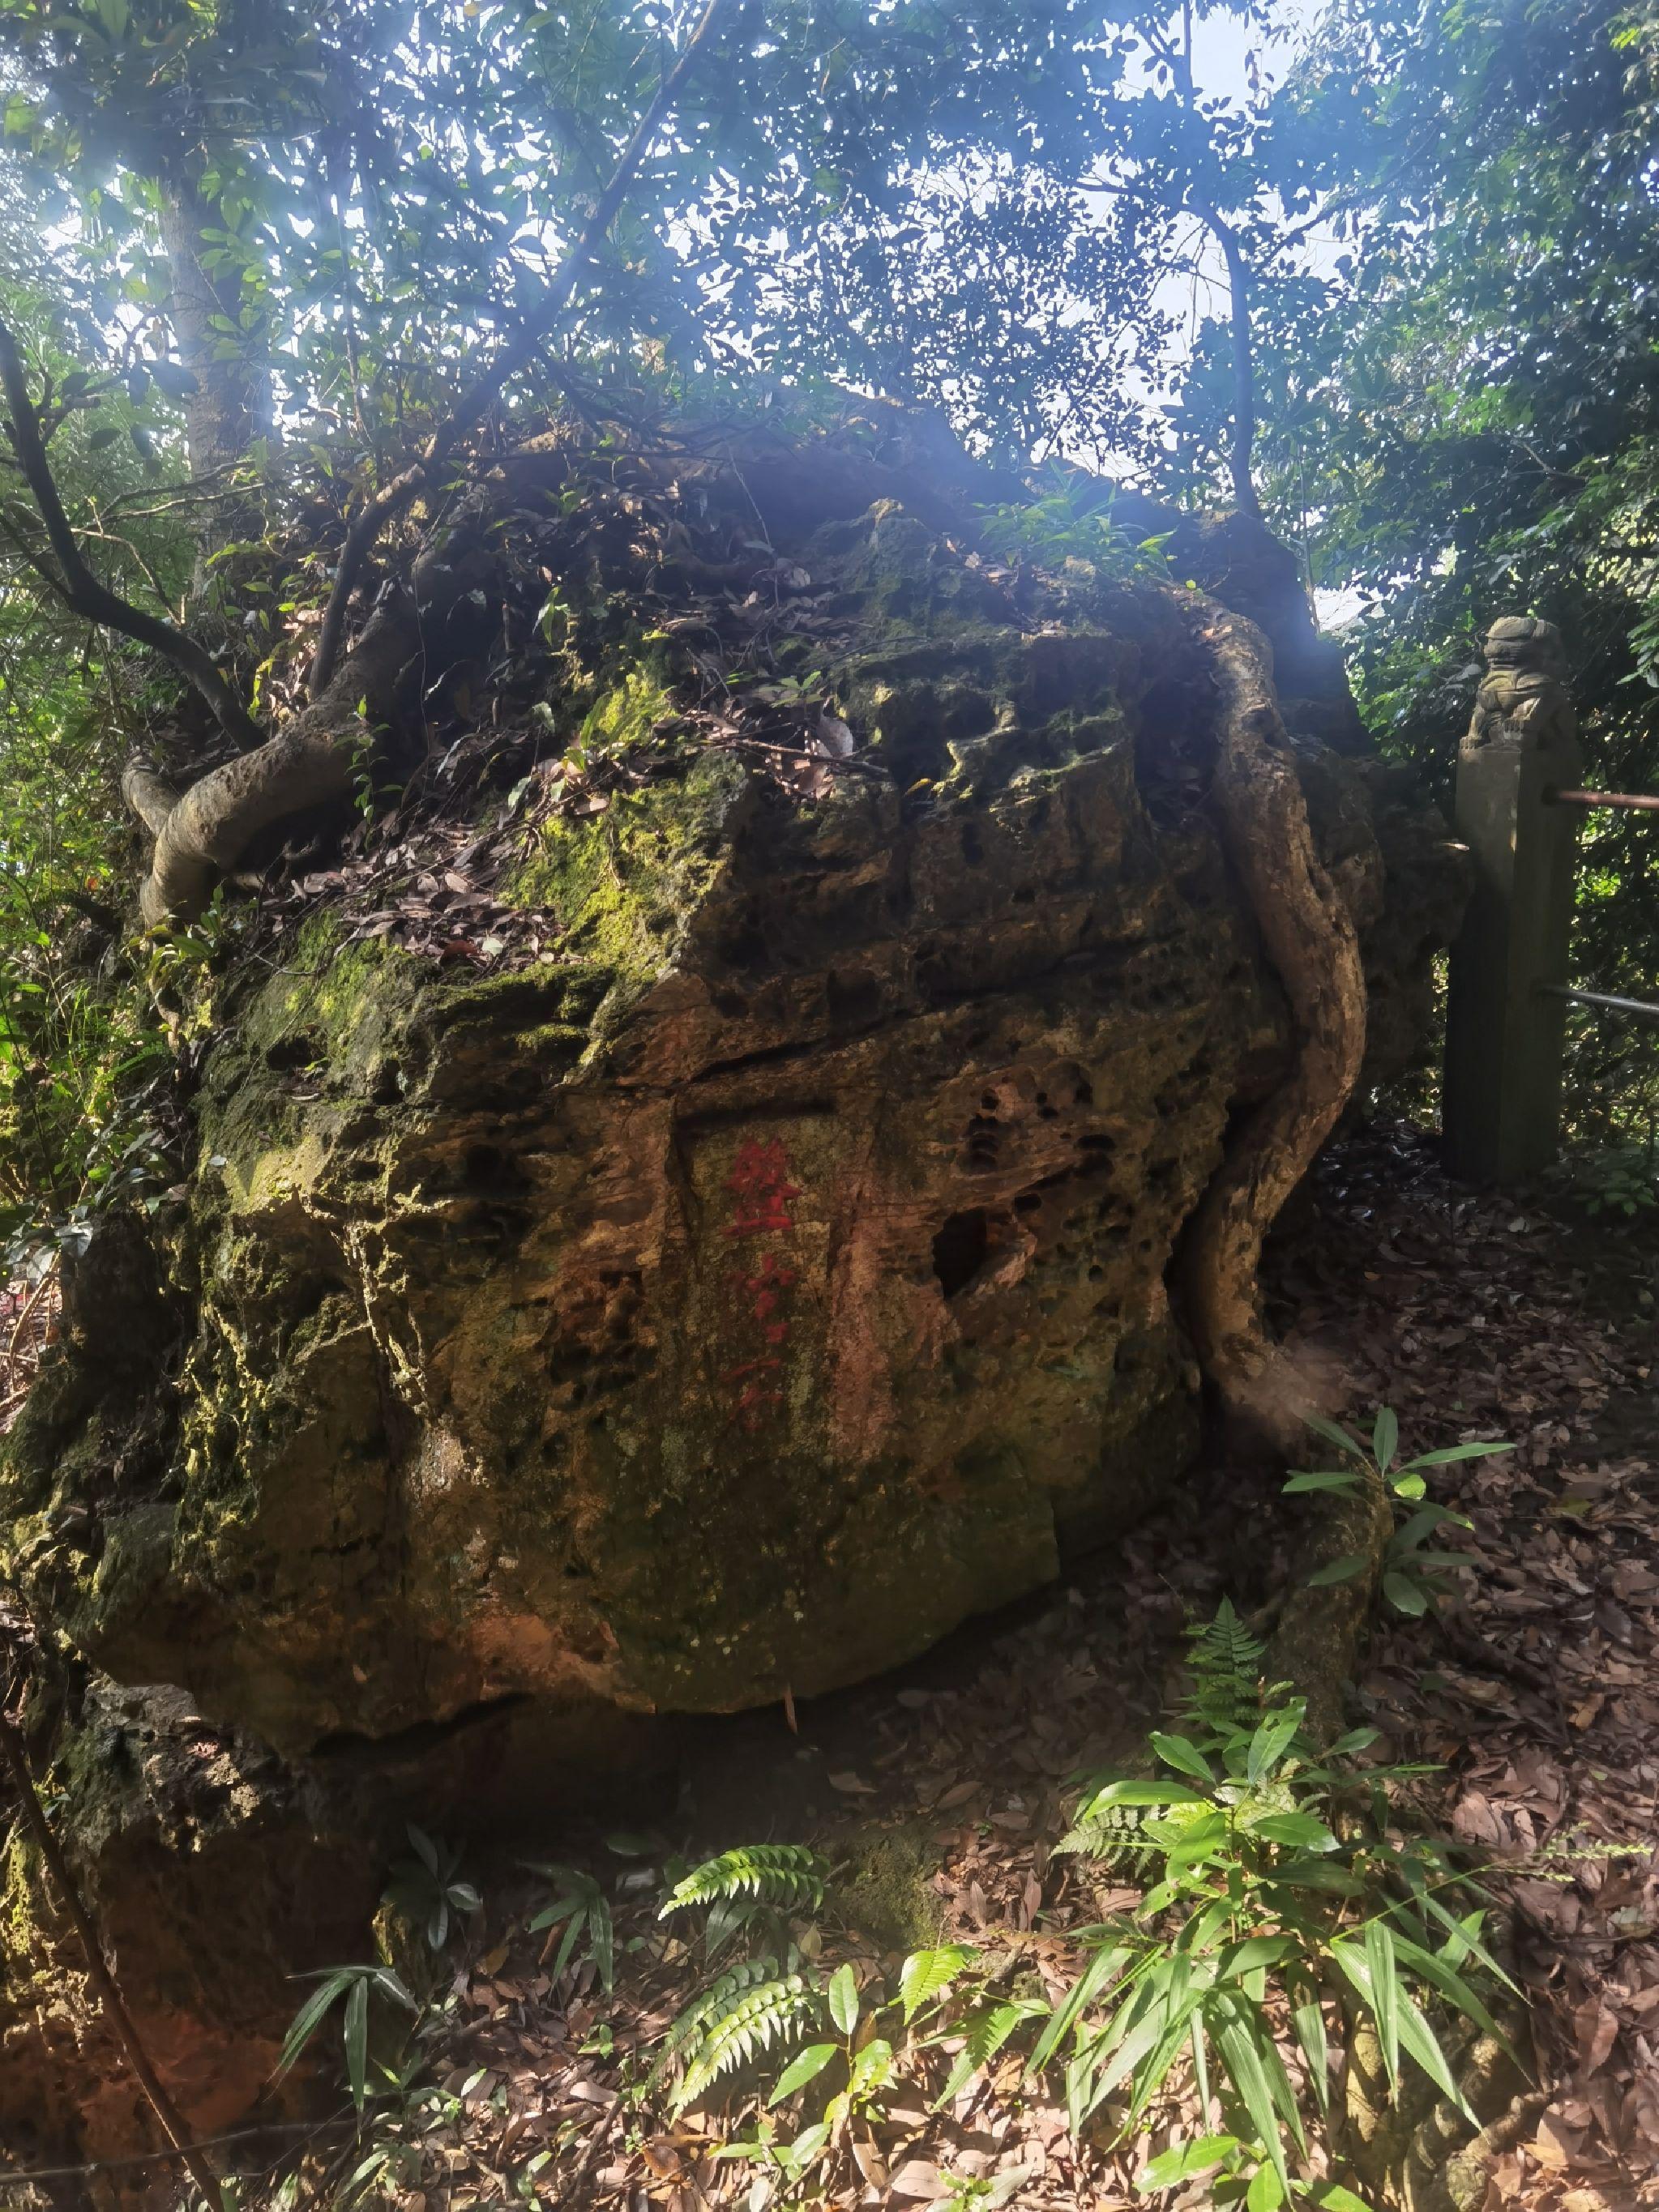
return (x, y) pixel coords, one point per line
(740, 1256)
(769, 1270)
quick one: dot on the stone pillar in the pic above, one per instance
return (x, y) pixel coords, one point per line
(1501, 1105)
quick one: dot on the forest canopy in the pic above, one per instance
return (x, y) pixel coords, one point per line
(271, 273)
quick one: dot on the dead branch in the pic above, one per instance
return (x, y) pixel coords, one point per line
(80, 590)
(481, 394)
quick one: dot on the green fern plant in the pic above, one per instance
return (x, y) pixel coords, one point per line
(790, 1877)
(775, 2011)
(1109, 1834)
(1224, 1695)
(756, 1885)
(691, 2028)
(1223, 1671)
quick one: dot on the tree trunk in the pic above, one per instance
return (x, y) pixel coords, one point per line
(230, 406)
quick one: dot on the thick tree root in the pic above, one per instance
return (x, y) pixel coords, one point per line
(1311, 940)
(1411, 2147)
(208, 831)
(201, 834)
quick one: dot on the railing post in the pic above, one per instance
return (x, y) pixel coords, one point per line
(1501, 1103)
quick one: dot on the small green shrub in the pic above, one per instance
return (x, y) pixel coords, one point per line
(1279, 1906)
(351, 1988)
(1412, 1566)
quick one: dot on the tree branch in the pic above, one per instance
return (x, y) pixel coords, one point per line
(82, 590)
(481, 394)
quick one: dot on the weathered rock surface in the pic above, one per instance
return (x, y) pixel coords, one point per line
(733, 1302)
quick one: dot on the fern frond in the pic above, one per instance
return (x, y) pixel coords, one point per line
(926, 1975)
(1224, 1670)
(717, 1998)
(986, 2030)
(774, 2013)
(1108, 1834)
(789, 1875)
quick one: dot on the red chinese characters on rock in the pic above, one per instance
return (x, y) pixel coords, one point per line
(759, 1181)
(762, 1192)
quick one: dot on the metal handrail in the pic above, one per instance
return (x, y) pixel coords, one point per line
(1634, 802)
(1637, 1009)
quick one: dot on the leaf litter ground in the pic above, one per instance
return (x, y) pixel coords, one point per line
(942, 1791)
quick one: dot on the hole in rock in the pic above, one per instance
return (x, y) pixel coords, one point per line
(486, 1169)
(960, 1248)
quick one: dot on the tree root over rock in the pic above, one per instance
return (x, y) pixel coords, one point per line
(1311, 939)
(201, 834)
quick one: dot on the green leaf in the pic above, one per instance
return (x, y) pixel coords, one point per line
(789, 1875)
(1307, 2018)
(1140, 1793)
(1249, 1957)
(1455, 1452)
(1424, 1523)
(1463, 1938)
(807, 2145)
(1102, 1970)
(844, 1999)
(1197, 1841)
(1385, 1442)
(1184, 1756)
(1246, 2052)
(986, 2033)
(1333, 1434)
(1323, 1479)
(601, 1943)
(1140, 2024)
(1272, 1740)
(1404, 1595)
(356, 2041)
(1181, 2161)
(804, 2067)
(1266, 2192)
(1385, 1993)
(872, 2069)
(1317, 1873)
(1340, 1570)
(1300, 1830)
(551, 1914)
(311, 2015)
(174, 377)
